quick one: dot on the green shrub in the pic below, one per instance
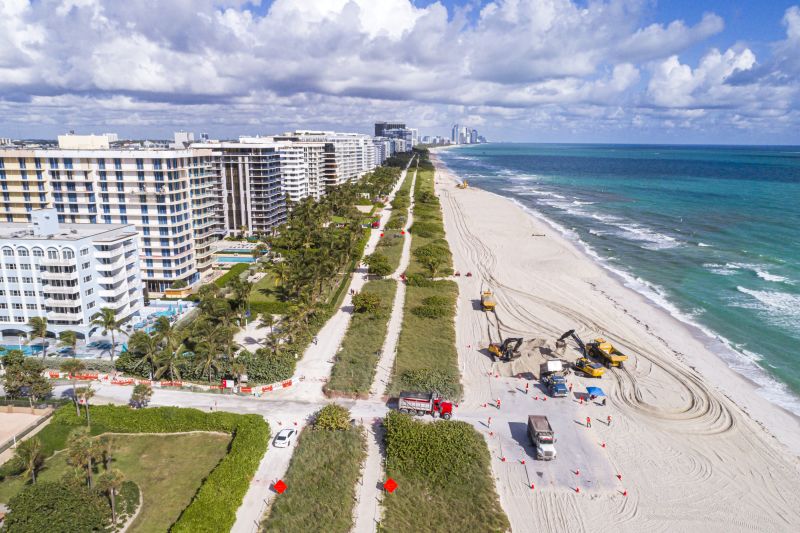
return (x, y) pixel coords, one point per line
(438, 301)
(427, 230)
(425, 379)
(264, 366)
(333, 417)
(367, 302)
(378, 264)
(419, 280)
(127, 500)
(430, 311)
(46, 505)
(235, 271)
(179, 284)
(269, 308)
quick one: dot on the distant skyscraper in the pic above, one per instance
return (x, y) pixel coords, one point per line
(454, 134)
(381, 127)
(473, 137)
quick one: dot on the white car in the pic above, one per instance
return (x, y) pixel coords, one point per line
(284, 438)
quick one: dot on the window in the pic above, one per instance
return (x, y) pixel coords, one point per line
(19, 319)
(87, 279)
(101, 164)
(84, 251)
(8, 252)
(89, 305)
(85, 265)
(118, 164)
(38, 252)
(27, 280)
(139, 164)
(37, 163)
(30, 306)
(21, 162)
(23, 252)
(68, 163)
(88, 292)
(30, 293)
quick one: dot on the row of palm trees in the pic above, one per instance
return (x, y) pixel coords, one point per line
(106, 319)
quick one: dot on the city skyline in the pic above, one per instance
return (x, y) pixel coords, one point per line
(632, 71)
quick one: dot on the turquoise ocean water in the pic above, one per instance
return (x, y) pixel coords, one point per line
(709, 233)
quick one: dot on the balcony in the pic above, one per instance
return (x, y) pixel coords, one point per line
(52, 315)
(48, 262)
(52, 289)
(60, 276)
(51, 302)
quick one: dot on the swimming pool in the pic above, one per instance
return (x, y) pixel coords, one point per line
(235, 259)
(27, 350)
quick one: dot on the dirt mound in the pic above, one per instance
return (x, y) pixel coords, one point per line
(534, 353)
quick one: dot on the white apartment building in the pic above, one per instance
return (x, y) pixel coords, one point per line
(171, 196)
(66, 273)
(348, 156)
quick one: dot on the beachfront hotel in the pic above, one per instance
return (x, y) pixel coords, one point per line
(169, 195)
(66, 273)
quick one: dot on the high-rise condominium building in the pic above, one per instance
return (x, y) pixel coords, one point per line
(171, 196)
(381, 127)
(347, 156)
(66, 273)
(259, 173)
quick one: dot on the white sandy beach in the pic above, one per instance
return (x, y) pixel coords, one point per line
(698, 448)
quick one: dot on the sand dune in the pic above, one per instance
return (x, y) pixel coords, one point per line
(699, 449)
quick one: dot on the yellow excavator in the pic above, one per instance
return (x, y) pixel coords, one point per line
(463, 185)
(507, 350)
(591, 369)
(487, 300)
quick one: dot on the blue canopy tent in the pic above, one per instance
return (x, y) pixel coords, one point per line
(595, 391)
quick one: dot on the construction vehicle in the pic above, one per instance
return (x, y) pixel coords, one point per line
(605, 351)
(542, 436)
(556, 385)
(487, 300)
(507, 350)
(591, 369)
(463, 185)
(423, 403)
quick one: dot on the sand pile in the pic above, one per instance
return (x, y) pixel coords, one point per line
(535, 352)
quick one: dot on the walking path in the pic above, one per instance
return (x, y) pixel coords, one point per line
(368, 493)
(383, 370)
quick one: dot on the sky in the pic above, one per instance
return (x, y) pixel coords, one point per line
(641, 71)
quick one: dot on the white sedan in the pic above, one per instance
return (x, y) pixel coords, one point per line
(284, 438)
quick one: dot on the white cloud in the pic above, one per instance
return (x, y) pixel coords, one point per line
(518, 62)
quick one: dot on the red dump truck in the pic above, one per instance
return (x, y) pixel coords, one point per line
(423, 403)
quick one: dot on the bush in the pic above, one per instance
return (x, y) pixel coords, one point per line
(93, 365)
(269, 308)
(427, 230)
(430, 311)
(425, 379)
(235, 271)
(366, 302)
(419, 280)
(48, 504)
(333, 417)
(179, 284)
(127, 500)
(438, 301)
(378, 264)
(264, 366)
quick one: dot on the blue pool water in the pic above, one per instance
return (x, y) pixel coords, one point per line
(235, 259)
(711, 234)
(27, 350)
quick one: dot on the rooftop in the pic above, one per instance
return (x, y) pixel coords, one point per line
(68, 232)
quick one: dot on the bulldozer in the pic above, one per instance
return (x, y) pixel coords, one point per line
(487, 300)
(507, 350)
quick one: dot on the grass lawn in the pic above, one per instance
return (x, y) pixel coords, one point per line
(428, 343)
(321, 482)
(354, 369)
(168, 469)
(264, 297)
(391, 246)
(444, 478)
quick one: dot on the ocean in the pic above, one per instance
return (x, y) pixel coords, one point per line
(709, 233)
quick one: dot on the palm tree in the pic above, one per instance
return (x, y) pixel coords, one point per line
(29, 455)
(110, 482)
(267, 321)
(86, 394)
(259, 250)
(106, 318)
(38, 325)
(169, 362)
(68, 338)
(73, 367)
(82, 452)
(207, 361)
(147, 348)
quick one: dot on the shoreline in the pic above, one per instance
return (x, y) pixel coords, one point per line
(755, 404)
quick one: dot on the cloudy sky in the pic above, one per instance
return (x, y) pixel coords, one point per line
(698, 71)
